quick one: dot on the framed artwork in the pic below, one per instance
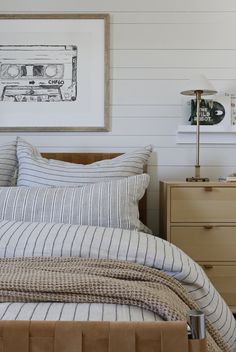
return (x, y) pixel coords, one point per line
(54, 72)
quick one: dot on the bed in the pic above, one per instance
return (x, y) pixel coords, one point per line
(111, 324)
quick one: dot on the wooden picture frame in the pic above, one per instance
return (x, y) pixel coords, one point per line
(54, 72)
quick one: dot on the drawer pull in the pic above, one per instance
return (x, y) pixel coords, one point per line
(208, 227)
(208, 266)
(208, 188)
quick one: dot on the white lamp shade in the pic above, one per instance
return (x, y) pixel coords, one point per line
(199, 83)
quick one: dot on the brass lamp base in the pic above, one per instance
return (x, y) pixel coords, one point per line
(197, 91)
(197, 179)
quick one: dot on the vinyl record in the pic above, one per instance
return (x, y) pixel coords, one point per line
(211, 112)
(217, 112)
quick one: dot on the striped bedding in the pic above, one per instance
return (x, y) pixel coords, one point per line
(8, 163)
(112, 203)
(34, 170)
(50, 239)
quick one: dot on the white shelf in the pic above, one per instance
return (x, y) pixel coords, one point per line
(186, 134)
(222, 133)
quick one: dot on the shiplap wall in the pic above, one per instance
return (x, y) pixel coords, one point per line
(155, 46)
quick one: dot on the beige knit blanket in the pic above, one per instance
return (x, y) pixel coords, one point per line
(57, 279)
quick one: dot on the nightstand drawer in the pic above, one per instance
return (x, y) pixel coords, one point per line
(203, 204)
(206, 243)
(223, 278)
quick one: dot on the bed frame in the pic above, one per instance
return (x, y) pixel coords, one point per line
(67, 336)
(44, 336)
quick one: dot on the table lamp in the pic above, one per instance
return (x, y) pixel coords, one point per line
(198, 86)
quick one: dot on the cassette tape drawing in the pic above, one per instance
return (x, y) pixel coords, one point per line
(38, 73)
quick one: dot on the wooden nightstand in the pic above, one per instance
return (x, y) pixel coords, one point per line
(200, 218)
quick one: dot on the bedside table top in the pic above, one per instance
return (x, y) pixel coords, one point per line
(198, 184)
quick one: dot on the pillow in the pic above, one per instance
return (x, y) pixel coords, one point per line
(108, 204)
(34, 170)
(8, 163)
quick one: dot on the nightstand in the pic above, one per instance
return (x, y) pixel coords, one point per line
(200, 218)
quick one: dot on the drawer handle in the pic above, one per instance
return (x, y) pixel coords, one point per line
(208, 189)
(208, 266)
(208, 227)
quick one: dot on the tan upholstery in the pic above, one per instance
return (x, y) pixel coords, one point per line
(36, 336)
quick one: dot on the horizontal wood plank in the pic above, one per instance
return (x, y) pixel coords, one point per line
(154, 92)
(172, 36)
(148, 126)
(122, 5)
(172, 73)
(147, 110)
(171, 58)
(172, 17)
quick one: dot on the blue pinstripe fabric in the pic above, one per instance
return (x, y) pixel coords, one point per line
(19, 239)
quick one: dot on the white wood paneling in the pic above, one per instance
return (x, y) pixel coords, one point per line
(174, 73)
(148, 126)
(173, 173)
(121, 5)
(95, 142)
(146, 92)
(144, 111)
(156, 45)
(163, 91)
(173, 17)
(172, 36)
(186, 156)
(171, 58)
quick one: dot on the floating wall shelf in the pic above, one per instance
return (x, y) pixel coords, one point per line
(186, 134)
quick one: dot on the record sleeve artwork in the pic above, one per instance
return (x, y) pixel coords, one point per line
(211, 112)
(44, 73)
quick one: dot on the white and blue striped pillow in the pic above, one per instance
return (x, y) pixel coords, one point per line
(34, 170)
(8, 163)
(109, 204)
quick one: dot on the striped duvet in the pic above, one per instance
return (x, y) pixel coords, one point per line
(48, 239)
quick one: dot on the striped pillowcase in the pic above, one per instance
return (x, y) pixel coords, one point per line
(108, 204)
(8, 163)
(34, 170)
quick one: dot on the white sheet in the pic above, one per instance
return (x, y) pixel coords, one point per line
(74, 311)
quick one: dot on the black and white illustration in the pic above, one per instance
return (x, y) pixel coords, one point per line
(38, 73)
(215, 116)
(54, 72)
(211, 112)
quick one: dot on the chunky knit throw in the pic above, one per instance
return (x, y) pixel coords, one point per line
(60, 279)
